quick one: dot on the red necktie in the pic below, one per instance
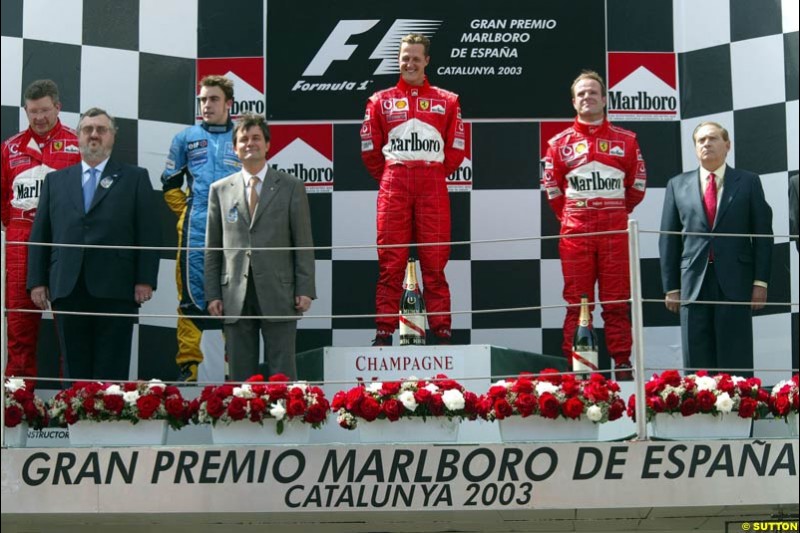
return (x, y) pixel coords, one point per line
(710, 200)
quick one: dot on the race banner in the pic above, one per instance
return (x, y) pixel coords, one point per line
(507, 60)
(642, 86)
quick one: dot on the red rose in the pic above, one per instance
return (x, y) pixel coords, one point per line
(172, 390)
(176, 408)
(596, 392)
(355, 397)
(522, 386)
(339, 400)
(656, 404)
(296, 393)
(688, 407)
(278, 378)
(672, 401)
(616, 409)
(552, 375)
(88, 406)
(392, 409)
(317, 412)
(70, 416)
(502, 408)
(13, 416)
(525, 404)
(573, 408)
(390, 388)
(22, 396)
(436, 405)
(369, 408)
(295, 407)
(570, 387)
(671, 378)
(237, 408)
(113, 403)
(470, 402)
(257, 407)
(549, 406)
(423, 396)
(631, 407)
(747, 407)
(781, 405)
(224, 391)
(497, 391)
(706, 401)
(215, 407)
(147, 406)
(257, 378)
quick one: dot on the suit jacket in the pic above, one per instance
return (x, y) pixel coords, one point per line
(739, 260)
(282, 219)
(122, 214)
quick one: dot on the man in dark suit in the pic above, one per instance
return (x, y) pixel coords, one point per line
(258, 207)
(98, 202)
(715, 199)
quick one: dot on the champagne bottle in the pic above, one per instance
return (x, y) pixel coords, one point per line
(412, 309)
(584, 342)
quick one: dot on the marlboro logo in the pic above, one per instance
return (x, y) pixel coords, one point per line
(642, 86)
(306, 151)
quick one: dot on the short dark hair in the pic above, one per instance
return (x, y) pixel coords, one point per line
(247, 121)
(589, 75)
(41, 88)
(96, 112)
(219, 81)
(417, 38)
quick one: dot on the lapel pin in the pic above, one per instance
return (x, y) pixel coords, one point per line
(106, 182)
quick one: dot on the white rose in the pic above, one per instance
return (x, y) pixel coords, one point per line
(375, 387)
(14, 384)
(302, 385)
(408, 400)
(277, 410)
(432, 387)
(724, 403)
(410, 383)
(130, 397)
(153, 383)
(594, 413)
(545, 386)
(114, 390)
(245, 391)
(706, 383)
(453, 399)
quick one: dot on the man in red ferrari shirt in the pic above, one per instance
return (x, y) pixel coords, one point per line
(594, 175)
(411, 140)
(27, 157)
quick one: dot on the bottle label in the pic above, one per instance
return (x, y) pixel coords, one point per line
(412, 325)
(584, 361)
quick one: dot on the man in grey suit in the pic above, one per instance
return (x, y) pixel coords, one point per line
(715, 198)
(258, 207)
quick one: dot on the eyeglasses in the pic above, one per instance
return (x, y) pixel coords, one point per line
(101, 130)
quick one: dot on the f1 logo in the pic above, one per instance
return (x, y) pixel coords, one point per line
(335, 47)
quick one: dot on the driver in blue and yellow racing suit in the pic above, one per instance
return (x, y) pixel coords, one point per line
(198, 156)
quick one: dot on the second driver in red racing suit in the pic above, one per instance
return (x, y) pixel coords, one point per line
(412, 138)
(594, 176)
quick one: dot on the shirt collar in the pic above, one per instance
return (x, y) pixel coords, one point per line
(719, 175)
(100, 167)
(261, 174)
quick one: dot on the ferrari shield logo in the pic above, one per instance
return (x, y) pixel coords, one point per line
(58, 146)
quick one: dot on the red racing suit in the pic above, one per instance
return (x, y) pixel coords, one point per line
(594, 175)
(27, 158)
(412, 138)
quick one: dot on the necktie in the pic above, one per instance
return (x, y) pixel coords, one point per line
(253, 196)
(89, 188)
(710, 200)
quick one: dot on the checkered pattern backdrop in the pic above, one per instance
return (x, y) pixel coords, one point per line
(737, 63)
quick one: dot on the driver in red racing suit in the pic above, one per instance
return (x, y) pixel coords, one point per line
(594, 175)
(27, 157)
(411, 140)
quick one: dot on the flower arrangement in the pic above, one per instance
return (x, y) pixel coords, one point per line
(408, 398)
(22, 405)
(703, 393)
(256, 400)
(551, 395)
(784, 398)
(132, 401)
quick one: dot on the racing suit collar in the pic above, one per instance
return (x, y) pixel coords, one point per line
(590, 129)
(217, 128)
(42, 139)
(405, 87)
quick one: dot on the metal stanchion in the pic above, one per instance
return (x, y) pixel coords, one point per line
(638, 328)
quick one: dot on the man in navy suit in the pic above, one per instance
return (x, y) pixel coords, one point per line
(715, 199)
(97, 202)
